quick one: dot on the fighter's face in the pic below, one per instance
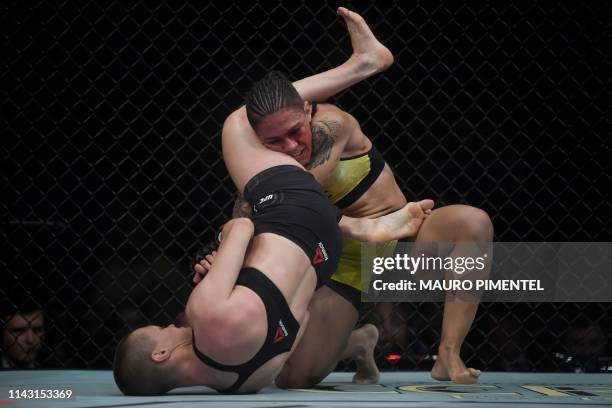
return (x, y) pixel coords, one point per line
(22, 337)
(288, 131)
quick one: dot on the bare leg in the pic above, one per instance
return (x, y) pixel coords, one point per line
(369, 57)
(402, 223)
(457, 319)
(332, 319)
(368, 53)
(360, 348)
(456, 223)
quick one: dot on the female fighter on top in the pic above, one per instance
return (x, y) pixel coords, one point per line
(251, 308)
(358, 180)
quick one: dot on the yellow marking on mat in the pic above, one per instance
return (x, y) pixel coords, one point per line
(545, 390)
(458, 390)
(569, 390)
(346, 389)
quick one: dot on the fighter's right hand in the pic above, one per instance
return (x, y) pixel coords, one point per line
(203, 259)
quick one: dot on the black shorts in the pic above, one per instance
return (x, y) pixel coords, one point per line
(288, 201)
(349, 293)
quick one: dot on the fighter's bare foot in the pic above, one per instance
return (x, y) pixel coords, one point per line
(369, 54)
(402, 223)
(367, 371)
(450, 367)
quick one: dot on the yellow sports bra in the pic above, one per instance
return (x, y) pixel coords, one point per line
(353, 176)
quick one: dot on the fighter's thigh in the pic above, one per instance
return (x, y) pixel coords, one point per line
(447, 224)
(332, 319)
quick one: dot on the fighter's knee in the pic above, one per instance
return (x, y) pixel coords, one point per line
(476, 223)
(484, 224)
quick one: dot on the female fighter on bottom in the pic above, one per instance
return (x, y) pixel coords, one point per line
(251, 308)
(357, 179)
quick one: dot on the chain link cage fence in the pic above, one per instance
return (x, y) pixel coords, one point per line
(112, 172)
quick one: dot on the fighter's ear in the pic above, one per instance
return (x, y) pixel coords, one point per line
(308, 109)
(159, 355)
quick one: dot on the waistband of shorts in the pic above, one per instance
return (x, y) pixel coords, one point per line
(273, 176)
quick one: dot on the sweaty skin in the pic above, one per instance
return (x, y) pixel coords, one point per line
(455, 224)
(329, 143)
(239, 335)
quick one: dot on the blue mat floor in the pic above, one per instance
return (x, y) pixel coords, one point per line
(405, 389)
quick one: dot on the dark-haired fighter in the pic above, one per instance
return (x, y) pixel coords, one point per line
(251, 308)
(357, 179)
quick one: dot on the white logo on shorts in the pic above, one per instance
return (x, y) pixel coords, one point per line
(323, 250)
(266, 198)
(282, 326)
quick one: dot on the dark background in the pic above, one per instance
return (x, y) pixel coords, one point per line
(112, 172)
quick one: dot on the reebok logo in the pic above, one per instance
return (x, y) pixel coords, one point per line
(320, 254)
(281, 332)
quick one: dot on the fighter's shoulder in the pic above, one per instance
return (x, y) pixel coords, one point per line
(332, 118)
(328, 110)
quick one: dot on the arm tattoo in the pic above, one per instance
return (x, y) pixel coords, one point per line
(323, 139)
(242, 208)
